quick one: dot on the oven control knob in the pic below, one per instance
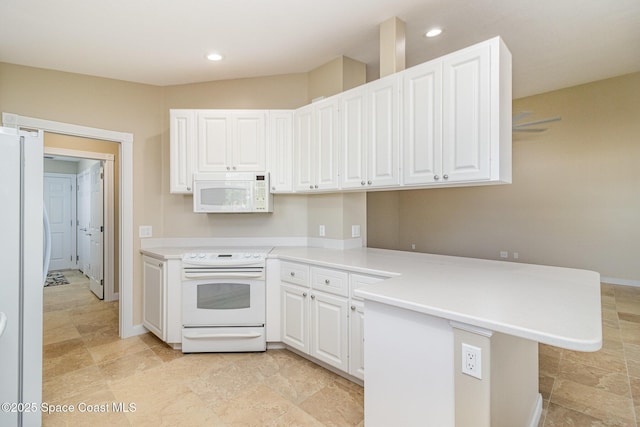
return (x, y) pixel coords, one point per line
(193, 255)
(202, 255)
(247, 255)
(256, 255)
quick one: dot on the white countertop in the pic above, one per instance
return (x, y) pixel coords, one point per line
(552, 305)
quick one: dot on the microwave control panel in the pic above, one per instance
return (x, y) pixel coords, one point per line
(261, 193)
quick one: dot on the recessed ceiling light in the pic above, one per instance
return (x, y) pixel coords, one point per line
(434, 32)
(214, 57)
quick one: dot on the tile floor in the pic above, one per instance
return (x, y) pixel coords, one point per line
(85, 361)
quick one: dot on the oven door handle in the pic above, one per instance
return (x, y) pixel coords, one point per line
(199, 336)
(221, 275)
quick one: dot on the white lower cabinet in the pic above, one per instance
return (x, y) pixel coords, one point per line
(161, 296)
(329, 329)
(356, 339)
(321, 317)
(153, 279)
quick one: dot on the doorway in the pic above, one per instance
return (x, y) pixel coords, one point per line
(76, 200)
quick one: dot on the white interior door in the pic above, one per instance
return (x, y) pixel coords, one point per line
(96, 227)
(59, 199)
(84, 217)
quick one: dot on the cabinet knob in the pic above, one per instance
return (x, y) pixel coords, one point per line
(293, 273)
(445, 176)
(327, 281)
(160, 265)
(436, 177)
(228, 168)
(353, 307)
(362, 183)
(369, 182)
(311, 187)
(234, 168)
(316, 186)
(304, 294)
(273, 188)
(313, 296)
(188, 188)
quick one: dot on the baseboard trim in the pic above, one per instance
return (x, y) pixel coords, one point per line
(136, 330)
(537, 412)
(623, 282)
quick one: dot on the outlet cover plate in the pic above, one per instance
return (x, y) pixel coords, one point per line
(472, 360)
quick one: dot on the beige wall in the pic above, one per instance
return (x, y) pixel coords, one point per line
(96, 146)
(337, 75)
(574, 201)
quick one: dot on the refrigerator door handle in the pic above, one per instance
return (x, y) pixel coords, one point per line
(3, 322)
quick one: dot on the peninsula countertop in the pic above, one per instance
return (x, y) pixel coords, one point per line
(552, 305)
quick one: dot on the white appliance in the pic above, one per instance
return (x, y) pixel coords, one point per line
(223, 300)
(232, 192)
(21, 264)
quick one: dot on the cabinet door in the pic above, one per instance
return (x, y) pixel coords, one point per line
(354, 141)
(384, 132)
(248, 142)
(326, 142)
(422, 139)
(280, 161)
(356, 339)
(214, 141)
(466, 114)
(329, 329)
(153, 296)
(295, 314)
(303, 152)
(182, 144)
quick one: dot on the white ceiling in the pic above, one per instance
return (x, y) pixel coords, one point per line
(554, 43)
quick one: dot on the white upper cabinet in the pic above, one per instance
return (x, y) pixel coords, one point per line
(370, 134)
(384, 132)
(422, 139)
(280, 158)
(315, 147)
(457, 117)
(181, 150)
(231, 141)
(353, 111)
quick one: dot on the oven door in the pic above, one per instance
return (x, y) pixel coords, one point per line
(223, 302)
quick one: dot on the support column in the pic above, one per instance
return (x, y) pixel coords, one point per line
(392, 46)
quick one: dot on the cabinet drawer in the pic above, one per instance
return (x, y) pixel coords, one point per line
(295, 273)
(332, 281)
(359, 280)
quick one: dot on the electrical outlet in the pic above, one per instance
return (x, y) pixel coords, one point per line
(321, 231)
(516, 255)
(504, 254)
(413, 246)
(355, 231)
(472, 361)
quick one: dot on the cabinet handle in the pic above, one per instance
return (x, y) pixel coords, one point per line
(445, 176)
(369, 182)
(327, 281)
(313, 296)
(436, 177)
(353, 307)
(293, 273)
(304, 294)
(362, 183)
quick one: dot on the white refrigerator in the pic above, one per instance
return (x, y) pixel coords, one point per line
(22, 269)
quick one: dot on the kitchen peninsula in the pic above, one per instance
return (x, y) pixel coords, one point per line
(423, 311)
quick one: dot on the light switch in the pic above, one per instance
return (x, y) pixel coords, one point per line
(145, 231)
(355, 231)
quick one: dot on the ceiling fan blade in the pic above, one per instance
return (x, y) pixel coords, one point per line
(538, 122)
(527, 130)
(521, 115)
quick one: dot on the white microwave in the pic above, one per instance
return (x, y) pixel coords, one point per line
(231, 192)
